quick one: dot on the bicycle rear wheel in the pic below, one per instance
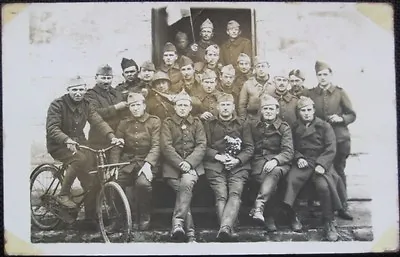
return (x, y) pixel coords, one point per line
(114, 214)
(45, 181)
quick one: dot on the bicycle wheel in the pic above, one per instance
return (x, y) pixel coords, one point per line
(114, 214)
(45, 180)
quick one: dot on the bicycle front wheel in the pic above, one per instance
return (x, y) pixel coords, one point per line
(114, 214)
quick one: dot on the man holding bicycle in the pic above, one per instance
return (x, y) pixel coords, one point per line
(66, 118)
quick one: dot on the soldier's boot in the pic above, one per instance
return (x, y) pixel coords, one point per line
(131, 195)
(270, 224)
(344, 212)
(178, 233)
(189, 226)
(258, 213)
(330, 231)
(64, 197)
(296, 224)
(145, 219)
(144, 199)
(224, 234)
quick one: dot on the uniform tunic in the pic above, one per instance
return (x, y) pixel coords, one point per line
(174, 73)
(126, 87)
(205, 102)
(159, 106)
(230, 50)
(198, 56)
(287, 106)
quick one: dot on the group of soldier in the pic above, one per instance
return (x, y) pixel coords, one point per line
(213, 112)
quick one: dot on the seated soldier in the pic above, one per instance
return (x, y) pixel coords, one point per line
(235, 45)
(211, 62)
(169, 64)
(296, 80)
(66, 119)
(315, 148)
(183, 144)
(244, 70)
(229, 149)
(227, 82)
(159, 100)
(188, 82)
(141, 133)
(273, 153)
(130, 71)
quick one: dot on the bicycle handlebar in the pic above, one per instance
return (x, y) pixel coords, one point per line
(97, 151)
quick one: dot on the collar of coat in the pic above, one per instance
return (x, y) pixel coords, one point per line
(214, 94)
(330, 89)
(104, 92)
(297, 90)
(287, 96)
(204, 44)
(235, 42)
(141, 119)
(235, 118)
(277, 123)
(304, 131)
(73, 105)
(164, 67)
(178, 120)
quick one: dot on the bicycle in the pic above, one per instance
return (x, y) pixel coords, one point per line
(112, 206)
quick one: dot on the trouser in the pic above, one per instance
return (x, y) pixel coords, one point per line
(339, 163)
(183, 188)
(228, 188)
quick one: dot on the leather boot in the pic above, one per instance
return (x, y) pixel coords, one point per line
(224, 234)
(144, 222)
(189, 227)
(270, 224)
(330, 231)
(178, 233)
(258, 214)
(344, 213)
(296, 224)
(64, 197)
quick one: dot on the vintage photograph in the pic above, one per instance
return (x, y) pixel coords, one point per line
(207, 123)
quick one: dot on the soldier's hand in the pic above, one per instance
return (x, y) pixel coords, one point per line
(221, 158)
(231, 163)
(206, 116)
(335, 119)
(117, 141)
(185, 166)
(146, 170)
(194, 47)
(301, 163)
(319, 169)
(121, 105)
(71, 145)
(270, 165)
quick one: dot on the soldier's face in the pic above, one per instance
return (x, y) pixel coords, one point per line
(262, 70)
(183, 108)
(324, 77)
(281, 83)
(295, 81)
(77, 93)
(206, 34)
(137, 108)
(147, 75)
(104, 81)
(209, 85)
(233, 32)
(162, 85)
(212, 57)
(226, 109)
(307, 113)
(182, 43)
(244, 66)
(227, 79)
(130, 73)
(169, 57)
(269, 112)
(187, 72)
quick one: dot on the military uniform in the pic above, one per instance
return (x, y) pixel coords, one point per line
(201, 67)
(234, 90)
(159, 105)
(287, 106)
(198, 56)
(205, 102)
(182, 139)
(174, 73)
(230, 50)
(192, 87)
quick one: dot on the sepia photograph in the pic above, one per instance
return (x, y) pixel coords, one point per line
(199, 128)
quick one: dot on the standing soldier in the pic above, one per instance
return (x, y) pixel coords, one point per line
(130, 72)
(273, 153)
(334, 106)
(210, 62)
(108, 102)
(183, 144)
(243, 70)
(141, 133)
(249, 98)
(315, 148)
(227, 82)
(206, 34)
(296, 80)
(182, 44)
(287, 101)
(235, 45)
(146, 75)
(170, 64)
(159, 102)
(229, 149)
(188, 82)
(66, 119)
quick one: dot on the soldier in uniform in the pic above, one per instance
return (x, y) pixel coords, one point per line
(197, 50)
(231, 49)
(183, 144)
(130, 71)
(227, 82)
(108, 102)
(211, 62)
(182, 44)
(141, 133)
(227, 162)
(159, 100)
(315, 148)
(249, 97)
(146, 74)
(66, 119)
(334, 106)
(287, 101)
(170, 64)
(188, 82)
(243, 70)
(273, 153)
(296, 80)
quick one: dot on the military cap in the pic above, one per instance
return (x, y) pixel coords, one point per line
(224, 97)
(181, 35)
(105, 70)
(212, 48)
(207, 24)
(126, 63)
(135, 97)
(184, 61)
(281, 73)
(297, 73)
(304, 101)
(228, 69)
(169, 47)
(208, 74)
(232, 24)
(319, 66)
(75, 81)
(258, 60)
(147, 65)
(243, 57)
(182, 96)
(268, 100)
(160, 75)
